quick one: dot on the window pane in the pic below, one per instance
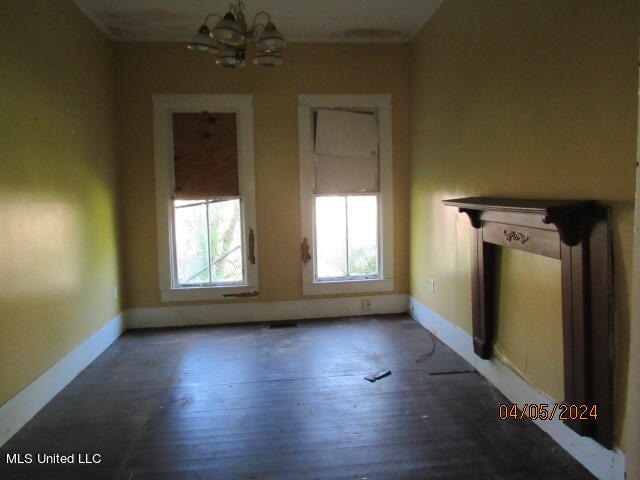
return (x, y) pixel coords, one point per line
(331, 237)
(191, 243)
(362, 214)
(225, 238)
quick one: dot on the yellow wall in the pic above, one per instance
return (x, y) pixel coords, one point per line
(143, 69)
(58, 254)
(529, 295)
(633, 401)
(522, 99)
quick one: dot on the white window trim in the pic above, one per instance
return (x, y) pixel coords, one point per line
(163, 108)
(382, 105)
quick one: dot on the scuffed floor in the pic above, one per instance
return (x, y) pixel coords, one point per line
(253, 402)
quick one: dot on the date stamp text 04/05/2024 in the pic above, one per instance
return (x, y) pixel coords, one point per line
(544, 411)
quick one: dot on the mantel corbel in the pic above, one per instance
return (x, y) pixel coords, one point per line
(571, 228)
(474, 216)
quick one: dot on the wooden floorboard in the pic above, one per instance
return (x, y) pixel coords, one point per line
(252, 402)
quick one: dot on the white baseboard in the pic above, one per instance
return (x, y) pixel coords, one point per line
(182, 315)
(20, 408)
(603, 463)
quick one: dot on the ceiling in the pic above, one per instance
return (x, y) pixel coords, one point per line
(336, 21)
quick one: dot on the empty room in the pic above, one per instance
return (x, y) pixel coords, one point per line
(319, 240)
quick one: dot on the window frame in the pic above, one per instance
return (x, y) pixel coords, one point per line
(381, 106)
(164, 106)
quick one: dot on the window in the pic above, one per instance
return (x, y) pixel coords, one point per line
(205, 196)
(347, 237)
(346, 193)
(208, 243)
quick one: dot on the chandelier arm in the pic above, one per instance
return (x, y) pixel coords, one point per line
(237, 9)
(255, 24)
(254, 32)
(255, 17)
(206, 19)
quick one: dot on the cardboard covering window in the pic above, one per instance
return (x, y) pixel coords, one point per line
(346, 152)
(205, 152)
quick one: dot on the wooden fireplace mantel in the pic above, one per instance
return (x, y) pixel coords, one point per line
(577, 233)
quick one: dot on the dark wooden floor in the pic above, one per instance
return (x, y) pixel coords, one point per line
(252, 402)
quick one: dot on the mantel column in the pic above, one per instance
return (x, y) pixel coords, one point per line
(482, 294)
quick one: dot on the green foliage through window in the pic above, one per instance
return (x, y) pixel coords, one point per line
(208, 241)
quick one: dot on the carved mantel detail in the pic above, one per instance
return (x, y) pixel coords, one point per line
(577, 233)
(512, 235)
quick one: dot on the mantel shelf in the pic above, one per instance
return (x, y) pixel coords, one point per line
(566, 215)
(521, 205)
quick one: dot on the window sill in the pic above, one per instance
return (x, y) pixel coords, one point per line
(348, 286)
(189, 294)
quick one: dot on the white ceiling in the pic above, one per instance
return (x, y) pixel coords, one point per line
(359, 21)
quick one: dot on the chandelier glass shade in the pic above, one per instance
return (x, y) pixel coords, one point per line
(231, 36)
(202, 42)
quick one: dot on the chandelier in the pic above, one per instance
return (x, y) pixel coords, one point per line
(231, 36)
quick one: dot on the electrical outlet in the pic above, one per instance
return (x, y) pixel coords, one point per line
(116, 292)
(432, 285)
(366, 305)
